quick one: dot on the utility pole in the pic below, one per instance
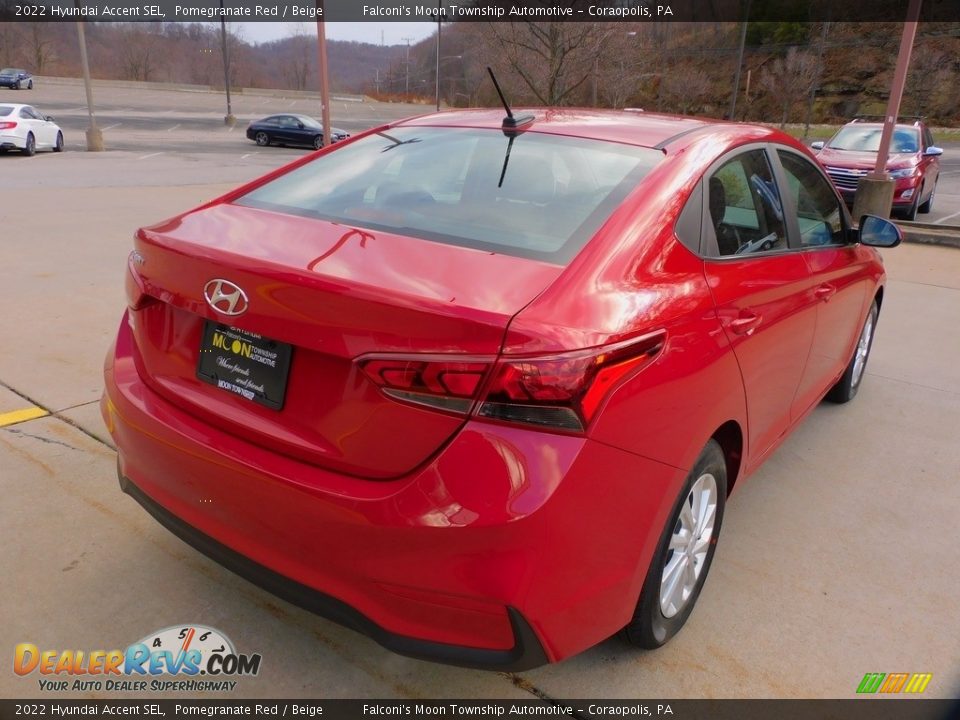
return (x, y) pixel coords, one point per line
(736, 77)
(322, 72)
(813, 90)
(439, 23)
(229, 119)
(94, 136)
(407, 66)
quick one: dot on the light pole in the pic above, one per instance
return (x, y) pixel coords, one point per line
(874, 194)
(406, 89)
(324, 77)
(440, 60)
(94, 136)
(229, 119)
(439, 23)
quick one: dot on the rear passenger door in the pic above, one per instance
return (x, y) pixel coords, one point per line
(761, 286)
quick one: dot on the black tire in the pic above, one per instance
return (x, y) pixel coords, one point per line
(650, 627)
(58, 147)
(30, 85)
(317, 142)
(262, 139)
(928, 205)
(31, 147)
(848, 384)
(16, 85)
(910, 214)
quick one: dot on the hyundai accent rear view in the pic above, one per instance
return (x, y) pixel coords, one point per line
(480, 389)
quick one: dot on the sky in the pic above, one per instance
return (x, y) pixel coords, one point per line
(393, 33)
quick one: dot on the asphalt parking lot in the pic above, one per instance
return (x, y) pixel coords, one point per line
(837, 558)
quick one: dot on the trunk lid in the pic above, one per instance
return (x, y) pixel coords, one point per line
(333, 293)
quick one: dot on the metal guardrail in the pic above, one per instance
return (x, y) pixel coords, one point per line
(930, 234)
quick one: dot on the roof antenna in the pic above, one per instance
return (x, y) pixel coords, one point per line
(511, 123)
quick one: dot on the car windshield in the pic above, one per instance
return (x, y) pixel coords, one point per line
(866, 138)
(8, 71)
(5, 110)
(537, 195)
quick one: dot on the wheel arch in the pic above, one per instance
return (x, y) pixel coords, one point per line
(730, 438)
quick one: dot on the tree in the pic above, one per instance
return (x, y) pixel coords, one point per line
(553, 61)
(929, 71)
(11, 41)
(139, 54)
(40, 45)
(789, 80)
(300, 49)
(685, 88)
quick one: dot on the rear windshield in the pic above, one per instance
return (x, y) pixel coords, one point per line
(541, 196)
(866, 138)
(5, 110)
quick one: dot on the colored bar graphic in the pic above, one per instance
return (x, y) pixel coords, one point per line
(871, 682)
(918, 682)
(894, 682)
(914, 683)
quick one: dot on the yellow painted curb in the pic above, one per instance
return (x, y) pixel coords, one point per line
(19, 416)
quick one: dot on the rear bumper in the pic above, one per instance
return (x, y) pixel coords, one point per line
(510, 548)
(12, 142)
(526, 653)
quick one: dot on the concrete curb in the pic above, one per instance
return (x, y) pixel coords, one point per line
(930, 234)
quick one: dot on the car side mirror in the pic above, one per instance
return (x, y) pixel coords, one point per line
(48, 118)
(300, 125)
(879, 232)
(817, 145)
(933, 151)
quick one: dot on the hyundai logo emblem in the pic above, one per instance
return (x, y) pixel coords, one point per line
(225, 297)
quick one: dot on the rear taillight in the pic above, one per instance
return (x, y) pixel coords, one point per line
(7, 125)
(560, 392)
(444, 383)
(563, 391)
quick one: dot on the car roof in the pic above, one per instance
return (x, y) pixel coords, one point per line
(652, 130)
(15, 106)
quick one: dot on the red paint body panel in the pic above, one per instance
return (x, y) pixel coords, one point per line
(433, 523)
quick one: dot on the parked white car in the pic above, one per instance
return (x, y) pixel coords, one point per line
(26, 129)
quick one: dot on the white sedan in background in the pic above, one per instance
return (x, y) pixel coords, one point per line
(26, 129)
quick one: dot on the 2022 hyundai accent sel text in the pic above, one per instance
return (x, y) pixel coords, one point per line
(481, 390)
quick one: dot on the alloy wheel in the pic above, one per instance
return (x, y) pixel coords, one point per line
(688, 546)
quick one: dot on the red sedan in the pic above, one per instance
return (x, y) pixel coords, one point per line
(481, 390)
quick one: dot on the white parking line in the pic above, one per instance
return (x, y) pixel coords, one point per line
(232, 128)
(111, 127)
(945, 218)
(244, 157)
(292, 103)
(144, 157)
(171, 129)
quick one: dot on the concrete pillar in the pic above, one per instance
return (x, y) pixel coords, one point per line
(874, 197)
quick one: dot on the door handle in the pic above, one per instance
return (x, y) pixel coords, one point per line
(746, 323)
(825, 292)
